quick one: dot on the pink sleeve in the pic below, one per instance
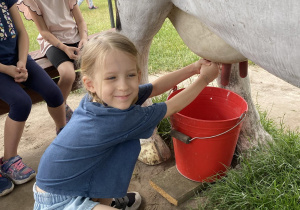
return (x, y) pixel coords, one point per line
(25, 5)
(72, 3)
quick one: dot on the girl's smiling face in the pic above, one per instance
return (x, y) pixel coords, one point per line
(117, 85)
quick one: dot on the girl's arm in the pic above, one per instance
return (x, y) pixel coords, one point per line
(168, 81)
(23, 40)
(72, 52)
(185, 97)
(82, 28)
(19, 72)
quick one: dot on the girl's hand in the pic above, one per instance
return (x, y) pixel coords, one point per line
(209, 72)
(21, 64)
(72, 52)
(199, 63)
(22, 76)
(82, 43)
(19, 74)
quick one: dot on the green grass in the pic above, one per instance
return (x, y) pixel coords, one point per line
(268, 178)
(168, 52)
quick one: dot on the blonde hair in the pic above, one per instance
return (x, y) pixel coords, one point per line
(96, 49)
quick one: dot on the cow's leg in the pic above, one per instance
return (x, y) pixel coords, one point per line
(140, 21)
(252, 133)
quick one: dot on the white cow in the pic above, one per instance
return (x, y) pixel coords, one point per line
(224, 31)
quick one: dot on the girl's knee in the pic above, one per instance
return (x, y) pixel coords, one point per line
(66, 68)
(67, 75)
(20, 108)
(53, 97)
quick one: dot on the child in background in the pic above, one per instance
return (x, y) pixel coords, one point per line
(63, 32)
(16, 66)
(96, 152)
(89, 2)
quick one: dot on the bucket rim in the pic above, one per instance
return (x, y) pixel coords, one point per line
(212, 121)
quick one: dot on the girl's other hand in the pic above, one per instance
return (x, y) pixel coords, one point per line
(209, 72)
(72, 52)
(82, 43)
(21, 64)
(19, 74)
(22, 76)
(199, 63)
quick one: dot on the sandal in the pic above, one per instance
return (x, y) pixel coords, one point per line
(131, 201)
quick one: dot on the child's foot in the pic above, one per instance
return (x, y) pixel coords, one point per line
(6, 185)
(69, 113)
(16, 170)
(93, 7)
(131, 201)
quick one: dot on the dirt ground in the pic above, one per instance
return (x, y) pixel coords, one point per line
(279, 98)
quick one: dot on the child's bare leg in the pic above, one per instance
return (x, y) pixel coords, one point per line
(58, 114)
(67, 78)
(12, 135)
(105, 201)
(103, 207)
(87, 1)
(12, 164)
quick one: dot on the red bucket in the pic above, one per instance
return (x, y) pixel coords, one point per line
(205, 133)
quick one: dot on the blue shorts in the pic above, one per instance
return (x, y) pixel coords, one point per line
(51, 201)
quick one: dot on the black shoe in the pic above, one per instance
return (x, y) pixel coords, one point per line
(131, 201)
(93, 7)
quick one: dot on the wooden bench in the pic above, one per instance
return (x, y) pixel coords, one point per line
(52, 72)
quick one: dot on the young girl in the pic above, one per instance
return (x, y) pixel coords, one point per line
(16, 66)
(62, 33)
(96, 152)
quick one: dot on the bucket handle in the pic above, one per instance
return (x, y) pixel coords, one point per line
(187, 139)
